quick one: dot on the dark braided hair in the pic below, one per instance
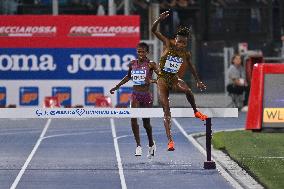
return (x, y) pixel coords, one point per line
(183, 31)
(144, 46)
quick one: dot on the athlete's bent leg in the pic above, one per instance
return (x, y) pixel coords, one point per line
(183, 87)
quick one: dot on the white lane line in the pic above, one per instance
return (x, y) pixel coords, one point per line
(122, 136)
(117, 153)
(223, 172)
(69, 134)
(19, 132)
(22, 171)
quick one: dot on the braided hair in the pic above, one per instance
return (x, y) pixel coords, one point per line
(184, 32)
(143, 45)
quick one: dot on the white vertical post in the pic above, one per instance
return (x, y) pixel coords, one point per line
(154, 14)
(111, 7)
(54, 7)
(226, 81)
(126, 7)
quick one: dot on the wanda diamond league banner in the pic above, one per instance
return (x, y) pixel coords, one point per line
(72, 57)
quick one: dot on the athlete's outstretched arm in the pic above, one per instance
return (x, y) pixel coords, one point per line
(158, 34)
(123, 81)
(192, 69)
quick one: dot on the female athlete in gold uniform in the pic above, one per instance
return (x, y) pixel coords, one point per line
(175, 54)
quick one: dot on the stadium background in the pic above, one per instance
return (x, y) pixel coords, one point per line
(219, 28)
(67, 153)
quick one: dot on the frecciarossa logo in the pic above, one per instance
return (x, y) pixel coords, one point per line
(27, 31)
(91, 31)
(75, 62)
(104, 31)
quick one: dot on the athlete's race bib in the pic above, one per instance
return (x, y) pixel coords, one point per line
(172, 64)
(138, 77)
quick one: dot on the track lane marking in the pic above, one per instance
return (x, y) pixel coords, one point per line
(117, 153)
(23, 169)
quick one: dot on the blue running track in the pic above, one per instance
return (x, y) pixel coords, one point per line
(81, 153)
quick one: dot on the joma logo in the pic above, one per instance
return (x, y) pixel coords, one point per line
(88, 62)
(26, 63)
(85, 62)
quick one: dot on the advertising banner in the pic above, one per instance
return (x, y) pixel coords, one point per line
(46, 50)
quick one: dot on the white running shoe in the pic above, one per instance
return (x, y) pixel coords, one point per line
(138, 151)
(152, 151)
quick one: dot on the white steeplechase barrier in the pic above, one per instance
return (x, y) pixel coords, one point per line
(15, 113)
